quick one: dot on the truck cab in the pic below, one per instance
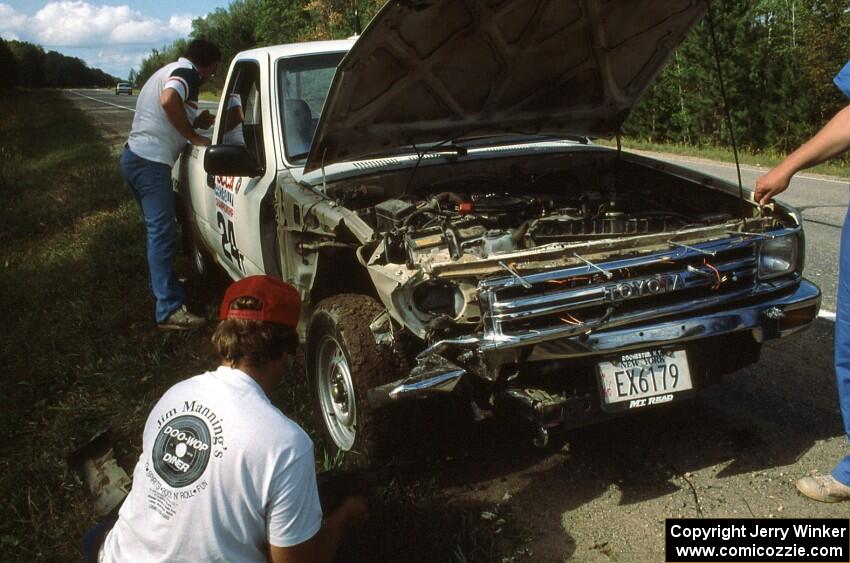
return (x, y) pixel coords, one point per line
(265, 120)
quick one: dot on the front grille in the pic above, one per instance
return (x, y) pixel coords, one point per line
(581, 298)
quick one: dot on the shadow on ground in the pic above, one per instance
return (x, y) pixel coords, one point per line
(615, 479)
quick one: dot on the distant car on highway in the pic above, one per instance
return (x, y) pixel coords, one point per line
(124, 88)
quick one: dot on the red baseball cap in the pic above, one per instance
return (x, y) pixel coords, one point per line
(280, 303)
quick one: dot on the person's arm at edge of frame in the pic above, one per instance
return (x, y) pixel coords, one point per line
(322, 547)
(829, 142)
(172, 104)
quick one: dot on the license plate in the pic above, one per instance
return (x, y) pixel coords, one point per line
(641, 379)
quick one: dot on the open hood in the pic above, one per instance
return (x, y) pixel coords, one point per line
(434, 70)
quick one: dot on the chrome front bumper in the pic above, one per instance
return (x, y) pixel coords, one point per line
(769, 317)
(764, 320)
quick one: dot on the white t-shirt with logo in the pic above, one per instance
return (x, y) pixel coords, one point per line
(154, 137)
(222, 474)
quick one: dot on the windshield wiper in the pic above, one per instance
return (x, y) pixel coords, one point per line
(518, 138)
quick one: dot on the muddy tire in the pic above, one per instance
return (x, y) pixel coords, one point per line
(343, 362)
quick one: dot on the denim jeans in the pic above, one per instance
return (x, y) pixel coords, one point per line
(95, 537)
(150, 183)
(842, 344)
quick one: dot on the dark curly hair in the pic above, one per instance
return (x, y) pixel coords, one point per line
(202, 52)
(254, 343)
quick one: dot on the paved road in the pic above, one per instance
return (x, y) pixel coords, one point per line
(115, 113)
(734, 451)
(823, 202)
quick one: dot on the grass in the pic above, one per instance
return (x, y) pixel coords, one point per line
(209, 96)
(78, 345)
(765, 159)
(81, 351)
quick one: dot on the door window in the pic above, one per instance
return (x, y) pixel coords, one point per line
(242, 123)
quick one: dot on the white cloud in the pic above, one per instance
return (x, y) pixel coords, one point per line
(77, 23)
(11, 22)
(120, 58)
(112, 38)
(9, 17)
(181, 23)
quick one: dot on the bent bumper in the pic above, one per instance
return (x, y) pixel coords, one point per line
(768, 318)
(772, 318)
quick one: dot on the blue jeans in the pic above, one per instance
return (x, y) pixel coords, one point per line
(150, 183)
(842, 344)
(95, 537)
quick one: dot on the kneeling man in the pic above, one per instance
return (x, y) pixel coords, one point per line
(224, 475)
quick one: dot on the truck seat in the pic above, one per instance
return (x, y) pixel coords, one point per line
(298, 126)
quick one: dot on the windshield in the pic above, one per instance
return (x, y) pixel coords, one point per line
(304, 83)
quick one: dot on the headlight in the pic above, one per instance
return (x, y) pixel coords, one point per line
(778, 257)
(438, 298)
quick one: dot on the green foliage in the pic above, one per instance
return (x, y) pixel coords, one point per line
(35, 68)
(246, 24)
(158, 59)
(778, 58)
(80, 348)
(8, 67)
(290, 21)
(30, 60)
(232, 30)
(281, 22)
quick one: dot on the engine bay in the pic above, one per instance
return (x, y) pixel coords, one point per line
(485, 223)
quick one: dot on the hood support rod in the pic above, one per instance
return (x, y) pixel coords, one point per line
(725, 102)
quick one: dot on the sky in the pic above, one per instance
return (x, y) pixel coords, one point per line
(112, 36)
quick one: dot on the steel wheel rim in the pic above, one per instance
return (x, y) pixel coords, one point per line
(336, 393)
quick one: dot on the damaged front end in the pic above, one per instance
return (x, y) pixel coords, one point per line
(519, 297)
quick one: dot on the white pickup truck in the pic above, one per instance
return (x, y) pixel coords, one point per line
(431, 191)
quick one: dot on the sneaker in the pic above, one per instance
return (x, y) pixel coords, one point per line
(182, 319)
(823, 488)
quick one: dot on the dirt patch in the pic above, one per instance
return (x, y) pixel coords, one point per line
(603, 493)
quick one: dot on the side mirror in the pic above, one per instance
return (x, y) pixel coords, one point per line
(231, 160)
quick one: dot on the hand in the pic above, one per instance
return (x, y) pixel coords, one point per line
(204, 120)
(355, 510)
(200, 141)
(771, 185)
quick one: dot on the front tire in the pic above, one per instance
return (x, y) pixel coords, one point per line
(343, 363)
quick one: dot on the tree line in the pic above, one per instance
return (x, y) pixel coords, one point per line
(777, 58)
(27, 64)
(246, 24)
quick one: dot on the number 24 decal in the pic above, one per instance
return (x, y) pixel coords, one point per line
(228, 242)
